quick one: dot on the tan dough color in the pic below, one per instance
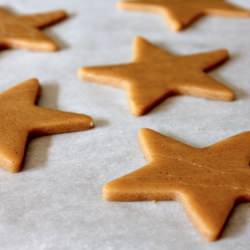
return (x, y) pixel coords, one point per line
(21, 119)
(208, 181)
(181, 13)
(23, 31)
(156, 74)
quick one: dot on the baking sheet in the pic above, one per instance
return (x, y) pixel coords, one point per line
(56, 203)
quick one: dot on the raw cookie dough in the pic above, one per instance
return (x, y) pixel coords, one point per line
(22, 119)
(22, 31)
(181, 13)
(156, 74)
(208, 181)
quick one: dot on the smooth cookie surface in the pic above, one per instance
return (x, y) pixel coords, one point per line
(155, 74)
(208, 181)
(23, 31)
(21, 119)
(181, 13)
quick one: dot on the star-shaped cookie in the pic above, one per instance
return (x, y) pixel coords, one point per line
(181, 13)
(156, 74)
(208, 181)
(21, 119)
(23, 31)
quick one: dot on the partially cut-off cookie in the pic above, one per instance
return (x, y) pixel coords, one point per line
(155, 74)
(208, 181)
(21, 119)
(23, 31)
(182, 13)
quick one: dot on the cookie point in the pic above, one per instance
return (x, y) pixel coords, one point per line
(231, 96)
(115, 190)
(59, 15)
(211, 235)
(11, 166)
(31, 82)
(228, 95)
(176, 27)
(137, 111)
(119, 4)
(107, 192)
(139, 39)
(143, 131)
(123, 4)
(53, 47)
(34, 80)
(225, 53)
(91, 123)
(64, 13)
(14, 170)
(87, 121)
(47, 47)
(81, 72)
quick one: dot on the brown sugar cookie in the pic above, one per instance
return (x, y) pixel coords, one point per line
(23, 31)
(181, 13)
(155, 74)
(208, 181)
(21, 118)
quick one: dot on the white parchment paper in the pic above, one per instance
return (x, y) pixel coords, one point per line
(56, 203)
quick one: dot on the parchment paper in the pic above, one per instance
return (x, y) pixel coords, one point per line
(56, 203)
